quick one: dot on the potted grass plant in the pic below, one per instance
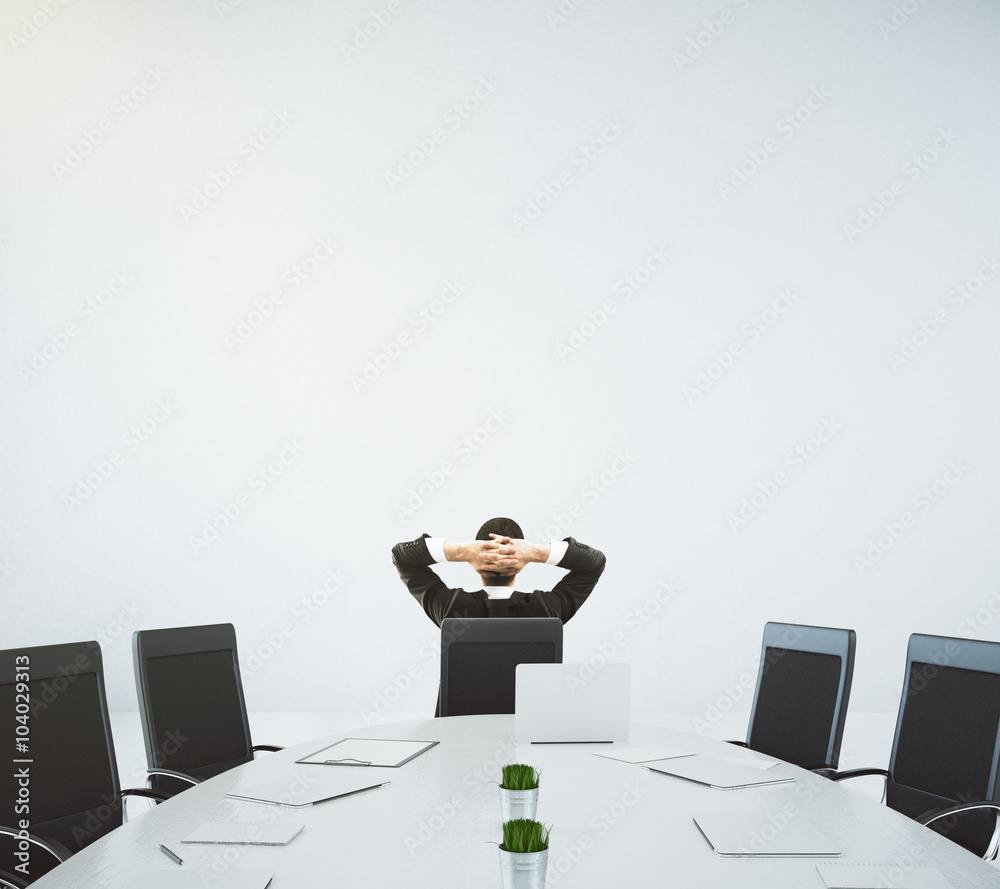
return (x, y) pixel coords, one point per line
(524, 854)
(519, 792)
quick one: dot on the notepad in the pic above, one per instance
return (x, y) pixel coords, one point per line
(297, 793)
(878, 876)
(245, 834)
(376, 752)
(199, 878)
(764, 835)
(719, 774)
(643, 754)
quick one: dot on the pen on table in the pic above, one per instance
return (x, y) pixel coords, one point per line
(170, 854)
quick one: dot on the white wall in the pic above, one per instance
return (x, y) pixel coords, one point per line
(874, 86)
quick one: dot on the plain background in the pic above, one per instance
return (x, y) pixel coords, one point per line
(494, 331)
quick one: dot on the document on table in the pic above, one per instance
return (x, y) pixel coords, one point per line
(377, 752)
(198, 878)
(245, 834)
(875, 876)
(643, 754)
(719, 774)
(296, 793)
(764, 835)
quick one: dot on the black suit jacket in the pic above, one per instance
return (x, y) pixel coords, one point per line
(413, 561)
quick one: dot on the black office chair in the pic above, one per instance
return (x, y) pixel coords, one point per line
(946, 749)
(803, 686)
(479, 654)
(54, 703)
(191, 704)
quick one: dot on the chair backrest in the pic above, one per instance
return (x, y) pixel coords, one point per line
(947, 741)
(191, 704)
(479, 654)
(803, 687)
(54, 702)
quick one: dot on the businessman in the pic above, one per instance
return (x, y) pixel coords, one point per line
(498, 554)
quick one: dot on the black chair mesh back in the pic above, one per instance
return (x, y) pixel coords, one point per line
(196, 716)
(73, 791)
(796, 706)
(946, 748)
(481, 674)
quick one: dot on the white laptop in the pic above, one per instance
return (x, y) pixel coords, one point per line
(571, 703)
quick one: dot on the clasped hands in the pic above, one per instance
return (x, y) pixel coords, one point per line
(499, 556)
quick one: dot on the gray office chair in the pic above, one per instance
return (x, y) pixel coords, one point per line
(803, 687)
(946, 748)
(75, 795)
(191, 704)
(479, 654)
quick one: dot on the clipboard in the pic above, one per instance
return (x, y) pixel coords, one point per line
(380, 753)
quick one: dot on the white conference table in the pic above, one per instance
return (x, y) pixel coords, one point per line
(615, 824)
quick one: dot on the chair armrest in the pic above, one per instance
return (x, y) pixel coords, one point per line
(170, 773)
(943, 812)
(146, 793)
(268, 747)
(53, 847)
(856, 773)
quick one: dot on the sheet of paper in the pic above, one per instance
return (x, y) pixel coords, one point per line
(878, 876)
(245, 834)
(319, 785)
(764, 835)
(369, 752)
(717, 773)
(643, 754)
(198, 878)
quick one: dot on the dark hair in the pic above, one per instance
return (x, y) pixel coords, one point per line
(503, 527)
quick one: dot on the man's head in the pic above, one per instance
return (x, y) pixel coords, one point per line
(505, 528)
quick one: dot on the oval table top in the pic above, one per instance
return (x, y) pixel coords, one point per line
(437, 822)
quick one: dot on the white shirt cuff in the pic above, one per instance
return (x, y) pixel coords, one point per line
(435, 546)
(557, 551)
